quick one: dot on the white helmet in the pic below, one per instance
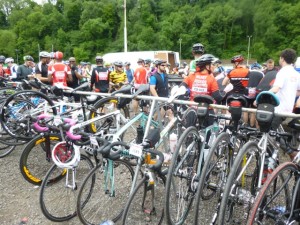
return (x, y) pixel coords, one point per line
(44, 54)
(9, 60)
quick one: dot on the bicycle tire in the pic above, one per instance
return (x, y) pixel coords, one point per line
(212, 180)
(5, 150)
(244, 190)
(94, 204)
(33, 161)
(57, 200)
(270, 199)
(10, 116)
(100, 108)
(138, 205)
(189, 139)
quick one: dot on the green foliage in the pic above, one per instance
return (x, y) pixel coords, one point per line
(84, 28)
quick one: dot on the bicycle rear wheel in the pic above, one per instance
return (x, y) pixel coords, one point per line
(241, 186)
(273, 204)
(182, 178)
(96, 201)
(146, 203)
(34, 161)
(58, 199)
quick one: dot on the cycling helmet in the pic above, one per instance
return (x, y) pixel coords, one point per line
(255, 66)
(118, 63)
(44, 55)
(99, 58)
(2, 59)
(198, 48)
(148, 61)
(9, 60)
(127, 64)
(159, 61)
(140, 60)
(176, 64)
(206, 59)
(58, 55)
(184, 64)
(28, 58)
(237, 58)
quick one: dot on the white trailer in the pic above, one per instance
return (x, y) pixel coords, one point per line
(132, 57)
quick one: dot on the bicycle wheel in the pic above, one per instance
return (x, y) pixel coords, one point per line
(273, 204)
(101, 107)
(212, 180)
(241, 186)
(96, 201)
(34, 161)
(182, 178)
(146, 203)
(17, 108)
(58, 199)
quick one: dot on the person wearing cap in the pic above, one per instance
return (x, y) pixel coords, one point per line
(41, 68)
(59, 73)
(25, 71)
(129, 72)
(100, 77)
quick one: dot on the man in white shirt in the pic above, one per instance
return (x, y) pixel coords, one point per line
(286, 87)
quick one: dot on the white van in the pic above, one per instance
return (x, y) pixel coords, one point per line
(132, 57)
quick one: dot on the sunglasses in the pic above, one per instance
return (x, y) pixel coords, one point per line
(71, 61)
(163, 65)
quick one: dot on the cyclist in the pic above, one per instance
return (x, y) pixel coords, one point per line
(129, 72)
(59, 73)
(25, 70)
(11, 70)
(117, 77)
(100, 77)
(197, 51)
(41, 68)
(202, 81)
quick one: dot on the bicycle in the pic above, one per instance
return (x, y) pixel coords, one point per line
(249, 168)
(279, 199)
(188, 160)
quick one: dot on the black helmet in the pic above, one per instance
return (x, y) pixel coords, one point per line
(99, 58)
(237, 58)
(148, 61)
(198, 48)
(206, 59)
(2, 59)
(118, 63)
(159, 61)
(127, 63)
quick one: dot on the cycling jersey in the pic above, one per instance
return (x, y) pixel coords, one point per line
(59, 72)
(117, 77)
(140, 76)
(100, 77)
(201, 83)
(239, 79)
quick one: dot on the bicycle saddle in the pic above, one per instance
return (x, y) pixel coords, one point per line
(142, 88)
(267, 97)
(204, 99)
(295, 124)
(123, 90)
(236, 97)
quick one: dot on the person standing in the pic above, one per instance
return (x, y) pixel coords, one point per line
(129, 72)
(11, 69)
(197, 51)
(41, 68)
(100, 77)
(59, 73)
(25, 71)
(159, 80)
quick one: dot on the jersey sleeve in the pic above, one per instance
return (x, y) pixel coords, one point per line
(279, 81)
(152, 80)
(213, 84)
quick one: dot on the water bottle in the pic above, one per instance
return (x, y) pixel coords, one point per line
(140, 134)
(107, 222)
(272, 161)
(280, 209)
(173, 142)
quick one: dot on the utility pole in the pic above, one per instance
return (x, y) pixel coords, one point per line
(125, 28)
(180, 40)
(249, 40)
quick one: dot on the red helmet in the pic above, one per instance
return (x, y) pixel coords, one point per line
(237, 58)
(58, 55)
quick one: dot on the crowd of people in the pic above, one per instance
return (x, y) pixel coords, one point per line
(204, 75)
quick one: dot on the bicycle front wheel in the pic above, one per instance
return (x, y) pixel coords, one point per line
(273, 204)
(99, 199)
(241, 186)
(182, 178)
(212, 180)
(146, 203)
(36, 160)
(58, 199)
